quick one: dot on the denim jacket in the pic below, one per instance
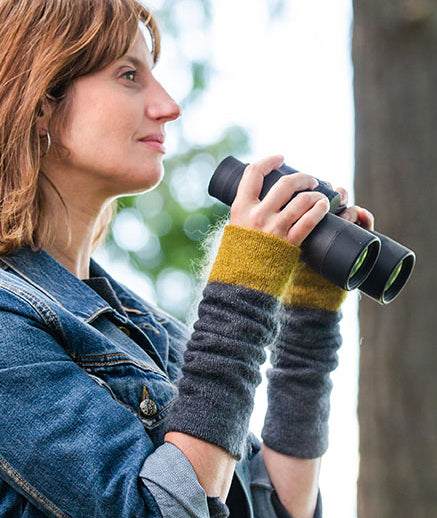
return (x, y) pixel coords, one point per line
(84, 391)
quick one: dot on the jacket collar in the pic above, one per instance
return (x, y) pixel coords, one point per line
(49, 276)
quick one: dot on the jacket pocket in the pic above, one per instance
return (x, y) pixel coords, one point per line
(147, 392)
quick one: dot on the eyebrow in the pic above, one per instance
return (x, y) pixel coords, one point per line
(135, 61)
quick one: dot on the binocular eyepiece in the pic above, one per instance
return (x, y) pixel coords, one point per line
(342, 252)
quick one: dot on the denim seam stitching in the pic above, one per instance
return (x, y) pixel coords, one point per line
(164, 409)
(79, 356)
(111, 363)
(35, 303)
(126, 406)
(33, 283)
(154, 425)
(142, 419)
(28, 279)
(30, 489)
(161, 319)
(134, 311)
(168, 405)
(121, 402)
(21, 295)
(91, 363)
(97, 313)
(39, 308)
(148, 327)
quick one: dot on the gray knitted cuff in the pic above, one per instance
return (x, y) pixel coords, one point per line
(216, 508)
(299, 384)
(221, 365)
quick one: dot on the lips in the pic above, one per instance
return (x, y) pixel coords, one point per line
(155, 140)
(156, 137)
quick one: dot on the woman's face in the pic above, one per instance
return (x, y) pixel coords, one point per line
(115, 133)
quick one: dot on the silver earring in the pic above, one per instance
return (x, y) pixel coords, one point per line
(49, 143)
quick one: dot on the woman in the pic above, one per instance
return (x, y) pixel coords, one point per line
(108, 406)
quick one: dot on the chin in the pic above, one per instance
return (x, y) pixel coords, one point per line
(144, 181)
(155, 174)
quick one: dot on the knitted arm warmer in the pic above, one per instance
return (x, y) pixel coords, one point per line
(236, 320)
(304, 354)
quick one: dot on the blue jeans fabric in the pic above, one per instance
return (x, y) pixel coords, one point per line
(74, 373)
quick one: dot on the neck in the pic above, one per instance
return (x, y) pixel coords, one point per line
(73, 248)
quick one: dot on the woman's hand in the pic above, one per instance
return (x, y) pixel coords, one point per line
(296, 220)
(355, 214)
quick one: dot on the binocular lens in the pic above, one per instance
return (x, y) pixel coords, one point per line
(397, 279)
(358, 264)
(391, 271)
(393, 277)
(363, 265)
(342, 252)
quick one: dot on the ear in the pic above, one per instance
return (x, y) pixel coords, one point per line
(44, 115)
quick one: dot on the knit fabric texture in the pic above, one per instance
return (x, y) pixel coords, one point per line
(236, 319)
(303, 355)
(306, 288)
(255, 260)
(216, 508)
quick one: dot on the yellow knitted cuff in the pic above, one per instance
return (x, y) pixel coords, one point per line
(306, 288)
(255, 260)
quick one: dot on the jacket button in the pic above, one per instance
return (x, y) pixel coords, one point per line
(148, 407)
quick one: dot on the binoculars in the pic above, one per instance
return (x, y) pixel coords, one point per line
(342, 252)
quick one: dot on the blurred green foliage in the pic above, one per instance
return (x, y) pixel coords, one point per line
(158, 233)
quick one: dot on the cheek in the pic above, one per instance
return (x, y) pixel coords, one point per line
(100, 128)
(101, 137)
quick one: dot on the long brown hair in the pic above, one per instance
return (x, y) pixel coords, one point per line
(45, 46)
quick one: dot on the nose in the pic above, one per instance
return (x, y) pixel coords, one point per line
(160, 105)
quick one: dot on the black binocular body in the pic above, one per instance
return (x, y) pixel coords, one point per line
(342, 252)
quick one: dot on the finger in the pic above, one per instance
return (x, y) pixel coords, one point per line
(350, 214)
(365, 219)
(284, 188)
(306, 224)
(253, 177)
(344, 195)
(297, 207)
(360, 216)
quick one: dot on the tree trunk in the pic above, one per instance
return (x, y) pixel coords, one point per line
(395, 86)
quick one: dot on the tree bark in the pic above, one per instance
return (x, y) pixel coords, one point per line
(395, 87)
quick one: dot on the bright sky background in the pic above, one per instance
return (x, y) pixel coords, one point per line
(290, 83)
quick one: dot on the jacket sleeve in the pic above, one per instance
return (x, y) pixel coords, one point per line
(66, 445)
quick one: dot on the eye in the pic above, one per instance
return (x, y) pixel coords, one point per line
(130, 75)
